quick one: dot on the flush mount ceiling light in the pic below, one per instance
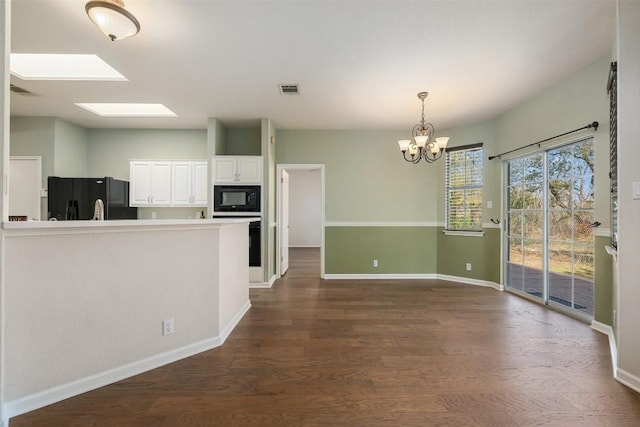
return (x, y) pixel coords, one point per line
(422, 144)
(105, 109)
(113, 19)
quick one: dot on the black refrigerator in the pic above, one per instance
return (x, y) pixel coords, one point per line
(75, 198)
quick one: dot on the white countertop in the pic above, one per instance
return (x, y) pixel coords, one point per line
(62, 227)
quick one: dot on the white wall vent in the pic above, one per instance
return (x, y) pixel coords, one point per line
(289, 89)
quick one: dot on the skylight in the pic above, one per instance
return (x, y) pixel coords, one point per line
(127, 110)
(44, 66)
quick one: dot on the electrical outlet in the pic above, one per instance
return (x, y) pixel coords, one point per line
(468, 266)
(153, 215)
(375, 262)
(167, 327)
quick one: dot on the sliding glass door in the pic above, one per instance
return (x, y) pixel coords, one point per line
(549, 240)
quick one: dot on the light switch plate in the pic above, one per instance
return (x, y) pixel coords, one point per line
(489, 204)
(636, 190)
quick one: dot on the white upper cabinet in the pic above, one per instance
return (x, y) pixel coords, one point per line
(200, 186)
(189, 183)
(150, 183)
(168, 183)
(237, 170)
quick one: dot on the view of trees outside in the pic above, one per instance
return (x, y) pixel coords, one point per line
(570, 217)
(464, 189)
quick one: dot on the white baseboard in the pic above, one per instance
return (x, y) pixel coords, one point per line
(613, 348)
(470, 281)
(628, 379)
(430, 276)
(263, 285)
(83, 385)
(377, 276)
(234, 321)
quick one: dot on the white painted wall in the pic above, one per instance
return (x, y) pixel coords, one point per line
(5, 49)
(85, 305)
(629, 210)
(24, 186)
(305, 205)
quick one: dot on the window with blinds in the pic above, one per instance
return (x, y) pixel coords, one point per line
(463, 188)
(613, 149)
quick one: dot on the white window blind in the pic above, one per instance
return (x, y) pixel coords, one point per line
(463, 195)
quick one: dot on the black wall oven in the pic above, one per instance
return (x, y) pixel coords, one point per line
(255, 260)
(236, 198)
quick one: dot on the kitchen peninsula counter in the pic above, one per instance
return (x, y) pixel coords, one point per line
(129, 224)
(95, 295)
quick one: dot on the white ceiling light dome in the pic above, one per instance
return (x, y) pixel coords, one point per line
(112, 18)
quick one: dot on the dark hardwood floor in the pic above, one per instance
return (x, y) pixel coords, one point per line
(374, 353)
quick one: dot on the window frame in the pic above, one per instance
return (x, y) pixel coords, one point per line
(466, 187)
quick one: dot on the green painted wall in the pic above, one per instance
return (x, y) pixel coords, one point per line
(71, 150)
(366, 178)
(569, 104)
(244, 141)
(399, 250)
(268, 142)
(605, 303)
(34, 136)
(216, 137)
(111, 149)
(482, 252)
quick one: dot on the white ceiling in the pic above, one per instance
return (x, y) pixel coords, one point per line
(359, 64)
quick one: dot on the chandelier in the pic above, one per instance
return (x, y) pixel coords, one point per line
(422, 144)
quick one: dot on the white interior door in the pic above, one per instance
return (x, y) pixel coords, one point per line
(284, 235)
(25, 182)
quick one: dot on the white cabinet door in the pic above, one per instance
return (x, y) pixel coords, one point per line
(249, 170)
(237, 170)
(140, 183)
(161, 183)
(199, 189)
(181, 183)
(150, 183)
(224, 170)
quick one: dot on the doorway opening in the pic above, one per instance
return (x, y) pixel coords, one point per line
(549, 239)
(300, 215)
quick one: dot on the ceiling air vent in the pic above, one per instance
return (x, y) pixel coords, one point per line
(289, 89)
(20, 91)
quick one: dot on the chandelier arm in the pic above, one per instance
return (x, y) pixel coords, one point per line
(412, 159)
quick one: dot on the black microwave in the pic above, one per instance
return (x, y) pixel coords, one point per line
(236, 198)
